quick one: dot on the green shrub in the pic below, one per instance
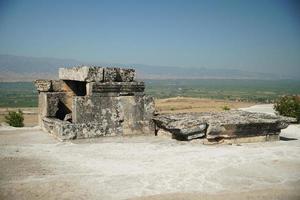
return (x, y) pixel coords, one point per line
(225, 108)
(15, 119)
(288, 106)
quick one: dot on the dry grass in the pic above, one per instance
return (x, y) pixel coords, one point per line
(183, 104)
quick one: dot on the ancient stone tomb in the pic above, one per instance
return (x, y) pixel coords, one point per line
(90, 101)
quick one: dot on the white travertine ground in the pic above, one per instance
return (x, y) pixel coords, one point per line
(33, 165)
(262, 108)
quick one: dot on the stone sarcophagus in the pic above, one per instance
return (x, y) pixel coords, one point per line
(90, 101)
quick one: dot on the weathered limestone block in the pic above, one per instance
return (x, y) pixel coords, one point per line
(149, 112)
(218, 125)
(96, 109)
(82, 73)
(52, 86)
(62, 130)
(110, 74)
(118, 74)
(126, 75)
(132, 109)
(117, 88)
(49, 103)
(183, 127)
(52, 104)
(60, 86)
(149, 107)
(42, 107)
(235, 124)
(43, 85)
(123, 113)
(65, 130)
(97, 74)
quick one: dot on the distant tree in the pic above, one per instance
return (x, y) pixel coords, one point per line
(288, 106)
(15, 119)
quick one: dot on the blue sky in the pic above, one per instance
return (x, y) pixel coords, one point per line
(249, 35)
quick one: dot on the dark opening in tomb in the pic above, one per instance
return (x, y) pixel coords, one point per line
(63, 112)
(77, 87)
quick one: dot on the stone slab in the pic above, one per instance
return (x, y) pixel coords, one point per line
(43, 85)
(114, 74)
(82, 73)
(97, 74)
(51, 86)
(218, 125)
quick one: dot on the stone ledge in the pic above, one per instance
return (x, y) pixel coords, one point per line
(64, 130)
(43, 85)
(97, 74)
(115, 87)
(81, 73)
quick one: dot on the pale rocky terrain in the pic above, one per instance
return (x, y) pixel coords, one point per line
(33, 165)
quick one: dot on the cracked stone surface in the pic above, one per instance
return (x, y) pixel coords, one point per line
(228, 124)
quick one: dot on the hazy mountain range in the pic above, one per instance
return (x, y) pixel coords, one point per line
(21, 68)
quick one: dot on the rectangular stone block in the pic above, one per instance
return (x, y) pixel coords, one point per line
(242, 130)
(43, 85)
(82, 73)
(121, 88)
(64, 130)
(110, 74)
(118, 75)
(125, 113)
(126, 75)
(96, 109)
(55, 85)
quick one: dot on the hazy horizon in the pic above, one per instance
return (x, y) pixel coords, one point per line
(258, 36)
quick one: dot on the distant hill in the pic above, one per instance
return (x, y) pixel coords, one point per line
(21, 68)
